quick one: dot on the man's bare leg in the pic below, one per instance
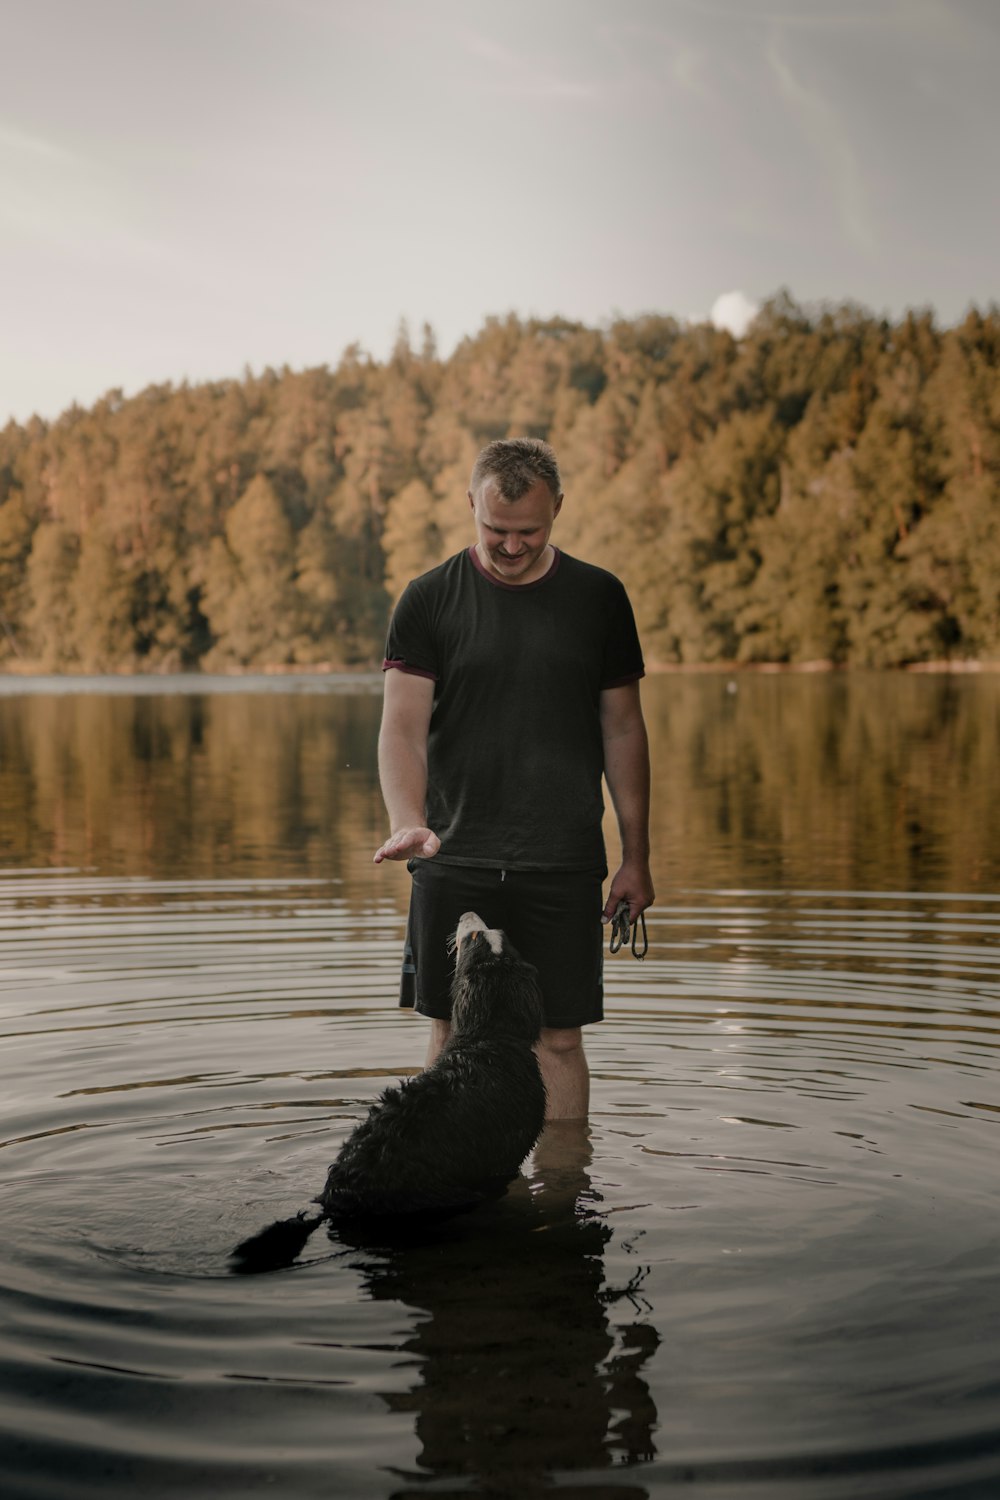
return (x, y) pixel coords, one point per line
(558, 1173)
(565, 1072)
(440, 1032)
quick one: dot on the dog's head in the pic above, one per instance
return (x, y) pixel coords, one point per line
(494, 992)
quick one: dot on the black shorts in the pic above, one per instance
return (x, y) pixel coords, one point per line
(553, 919)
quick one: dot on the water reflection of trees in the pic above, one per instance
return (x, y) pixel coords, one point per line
(844, 782)
(848, 782)
(528, 1363)
(190, 785)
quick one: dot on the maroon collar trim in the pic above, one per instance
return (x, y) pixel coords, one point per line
(516, 588)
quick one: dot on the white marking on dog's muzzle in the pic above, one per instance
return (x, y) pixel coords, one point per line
(471, 924)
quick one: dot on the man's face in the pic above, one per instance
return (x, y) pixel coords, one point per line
(514, 534)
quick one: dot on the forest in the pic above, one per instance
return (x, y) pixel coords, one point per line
(825, 489)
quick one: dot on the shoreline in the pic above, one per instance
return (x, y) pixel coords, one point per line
(776, 668)
(147, 684)
(322, 678)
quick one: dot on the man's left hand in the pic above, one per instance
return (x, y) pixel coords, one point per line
(632, 883)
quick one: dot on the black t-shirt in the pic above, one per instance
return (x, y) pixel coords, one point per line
(515, 755)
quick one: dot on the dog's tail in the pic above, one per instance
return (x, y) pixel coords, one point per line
(275, 1247)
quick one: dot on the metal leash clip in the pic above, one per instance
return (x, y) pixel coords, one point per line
(621, 926)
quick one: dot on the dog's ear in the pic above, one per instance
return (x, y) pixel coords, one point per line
(524, 1002)
(493, 997)
(473, 998)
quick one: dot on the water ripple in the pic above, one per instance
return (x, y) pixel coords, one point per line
(775, 1261)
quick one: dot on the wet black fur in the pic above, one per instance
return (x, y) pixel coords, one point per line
(451, 1136)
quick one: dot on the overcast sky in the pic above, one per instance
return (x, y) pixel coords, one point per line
(191, 186)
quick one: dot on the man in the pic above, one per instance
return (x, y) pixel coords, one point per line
(511, 684)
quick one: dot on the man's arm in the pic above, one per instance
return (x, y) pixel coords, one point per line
(626, 770)
(402, 765)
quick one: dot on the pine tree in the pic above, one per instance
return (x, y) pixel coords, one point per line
(50, 614)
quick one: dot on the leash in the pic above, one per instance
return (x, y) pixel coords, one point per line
(621, 926)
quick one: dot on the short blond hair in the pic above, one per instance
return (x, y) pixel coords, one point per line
(516, 465)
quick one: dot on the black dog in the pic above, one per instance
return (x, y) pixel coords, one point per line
(453, 1135)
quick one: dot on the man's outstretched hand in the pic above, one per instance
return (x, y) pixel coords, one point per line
(409, 843)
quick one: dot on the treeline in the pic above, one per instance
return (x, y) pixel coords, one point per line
(826, 488)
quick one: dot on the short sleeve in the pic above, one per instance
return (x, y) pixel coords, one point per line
(623, 661)
(409, 644)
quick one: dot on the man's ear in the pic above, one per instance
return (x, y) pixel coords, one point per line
(559, 501)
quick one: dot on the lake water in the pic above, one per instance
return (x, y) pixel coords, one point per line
(771, 1266)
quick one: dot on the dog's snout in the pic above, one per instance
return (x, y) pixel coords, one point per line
(469, 925)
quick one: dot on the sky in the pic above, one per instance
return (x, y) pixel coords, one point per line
(192, 187)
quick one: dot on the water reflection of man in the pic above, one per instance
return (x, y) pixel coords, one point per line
(511, 686)
(521, 1372)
